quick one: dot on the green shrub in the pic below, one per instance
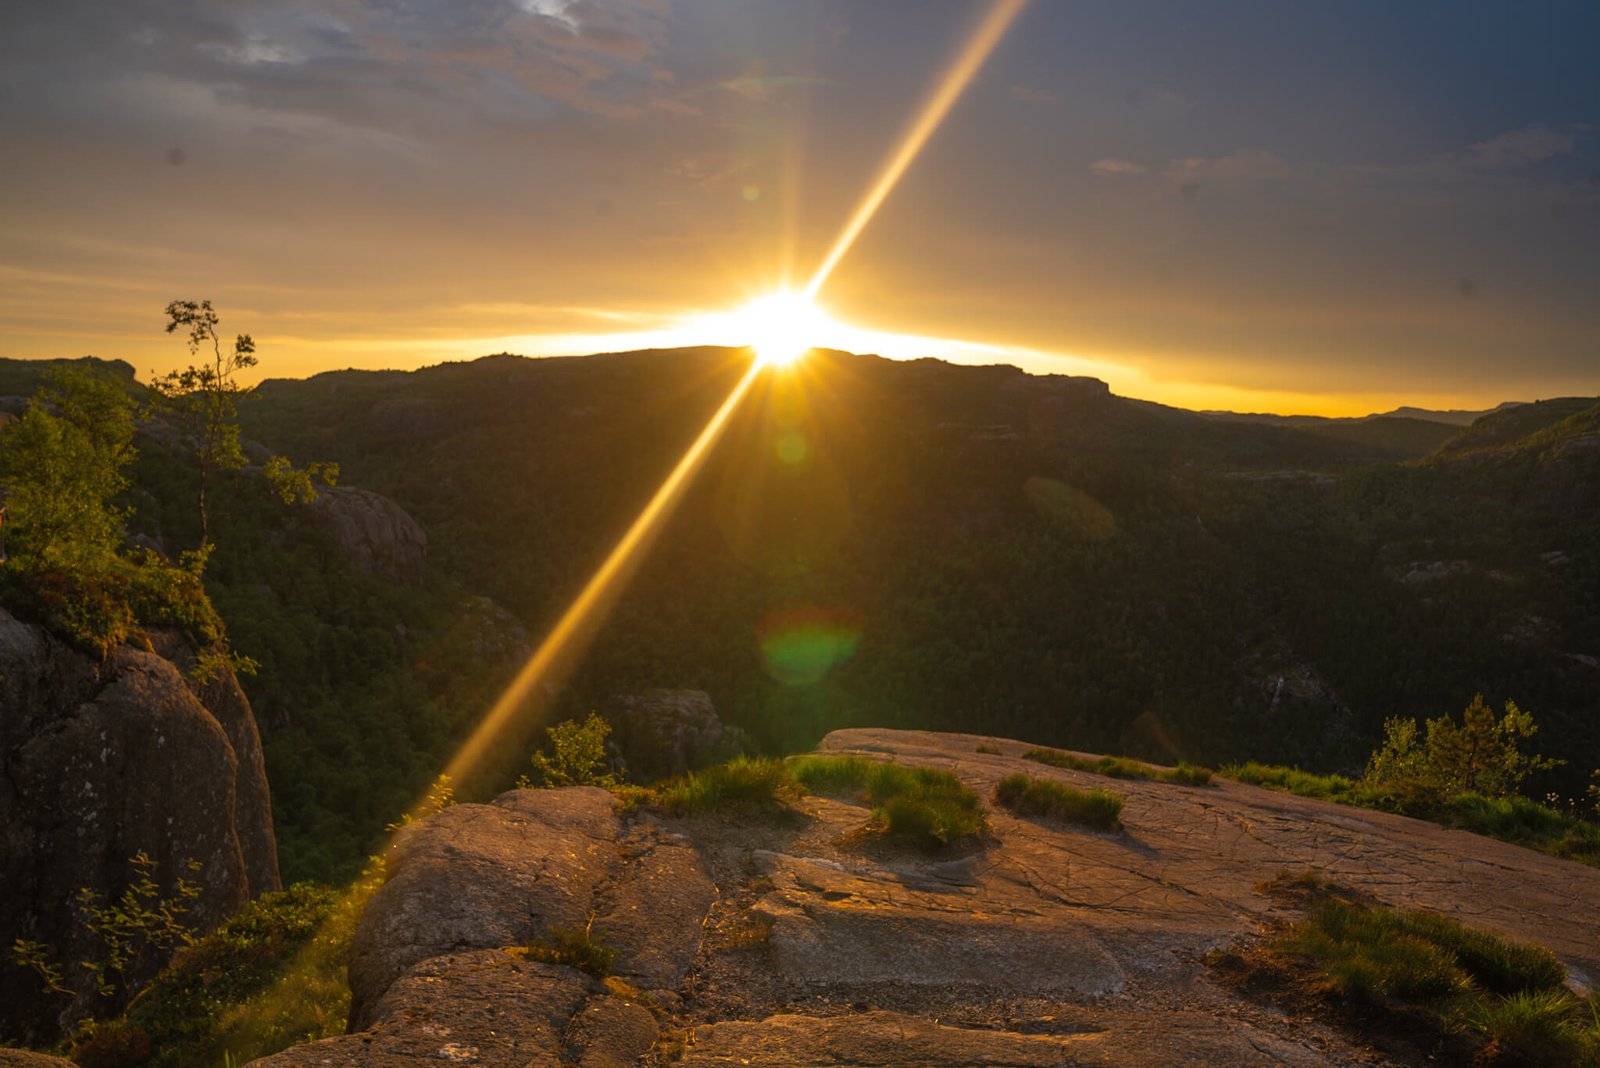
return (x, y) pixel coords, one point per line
(577, 756)
(1119, 767)
(1481, 754)
(1042, 797)
(574, 949)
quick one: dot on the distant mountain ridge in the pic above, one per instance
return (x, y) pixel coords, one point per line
(1448, 416)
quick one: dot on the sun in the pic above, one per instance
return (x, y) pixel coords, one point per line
(781, 327)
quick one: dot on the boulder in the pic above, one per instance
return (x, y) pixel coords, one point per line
(102, 761)
(377, 534)
(505, 874)
(668, 732)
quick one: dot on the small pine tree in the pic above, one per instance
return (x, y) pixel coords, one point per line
(1480, 755)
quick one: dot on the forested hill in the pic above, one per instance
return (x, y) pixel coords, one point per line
(896, 544)
(976, 548)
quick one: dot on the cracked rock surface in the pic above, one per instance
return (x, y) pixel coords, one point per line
(809, 941)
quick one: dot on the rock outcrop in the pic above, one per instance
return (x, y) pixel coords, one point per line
(668, 732)
(101, 761)
(810, 942)
(377, 534)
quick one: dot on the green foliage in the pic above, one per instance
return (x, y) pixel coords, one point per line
(298, 484)
(1118, 767)
(140, 923)
(62, 463)
(1028, 796)
(749, 783)
(1480, 755)
(575, 949)
(441, 795)
(932, 819)
(577, 756)
(207, 1005)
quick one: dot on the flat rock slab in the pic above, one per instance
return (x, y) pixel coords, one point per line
(1183, 873)
(890, 1039)
(831, 925)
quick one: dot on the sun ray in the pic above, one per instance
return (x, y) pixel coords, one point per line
(583, 617)
(946, 91)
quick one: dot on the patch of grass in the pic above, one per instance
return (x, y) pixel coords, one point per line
(1119, 767)
(1296, 781)
(574, 949)
(933, 819)
(743, 782)
(1507, 995)
(988, 749)
(833, 776)
(1514, 818)
(1042, 797)
(928, 806)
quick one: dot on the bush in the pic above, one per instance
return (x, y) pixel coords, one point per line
(1481, 755)
(577, 756)
(1053, 800)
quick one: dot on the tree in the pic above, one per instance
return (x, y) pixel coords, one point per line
(1480, 755)
(61, 465)
(204, 398)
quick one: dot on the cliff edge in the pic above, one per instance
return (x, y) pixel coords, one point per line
(806, 941)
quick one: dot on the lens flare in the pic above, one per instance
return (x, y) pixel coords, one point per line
(800, 646)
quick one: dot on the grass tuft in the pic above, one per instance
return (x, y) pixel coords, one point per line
(743, 782)
(1053, 800)
(1120, 767)
(927, 806)
(574, 949)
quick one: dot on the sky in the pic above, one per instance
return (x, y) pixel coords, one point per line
(1329, 208)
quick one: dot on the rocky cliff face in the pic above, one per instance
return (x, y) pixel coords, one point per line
(100, 761)
(807, 942)
(379, 536)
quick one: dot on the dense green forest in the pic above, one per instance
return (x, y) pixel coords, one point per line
(907, 544)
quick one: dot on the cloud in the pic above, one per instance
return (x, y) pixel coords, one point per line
(1518, 148)
(1112, 168)
(1504, 156)
(1241, 170)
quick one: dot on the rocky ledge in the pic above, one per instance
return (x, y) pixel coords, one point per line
(809, 942)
